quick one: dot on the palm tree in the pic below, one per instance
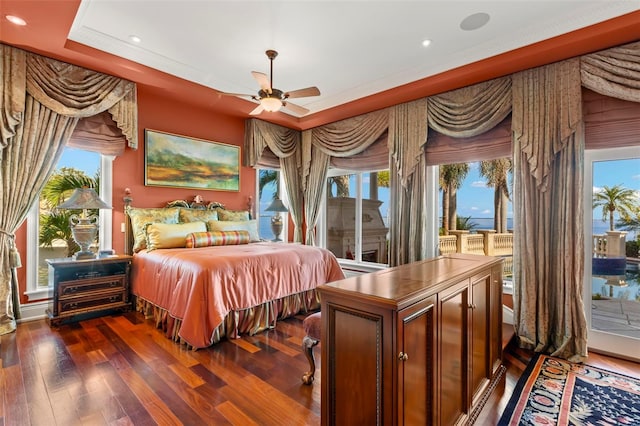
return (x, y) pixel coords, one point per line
(495, 172)
(465, 223)
(268, 178)
(630, 223)
(54, 224)
(451, 179)
(342, 186)
(615, 199)
(378, 180)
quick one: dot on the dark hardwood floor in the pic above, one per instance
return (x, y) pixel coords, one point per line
(120, 370)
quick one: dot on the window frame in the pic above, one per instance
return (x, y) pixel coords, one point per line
(283, 197)
(38, 292)
(357, 264)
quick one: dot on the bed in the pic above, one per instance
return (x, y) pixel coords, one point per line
(200, 292)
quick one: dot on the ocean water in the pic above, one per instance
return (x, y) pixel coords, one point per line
(599, 227)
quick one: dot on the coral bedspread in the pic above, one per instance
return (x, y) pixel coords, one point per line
(201, 286)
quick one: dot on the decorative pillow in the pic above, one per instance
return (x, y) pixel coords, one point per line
(232, 215)
(141, 217)
(171, 235)
(217, 238)
(197, 215)
(251, 226)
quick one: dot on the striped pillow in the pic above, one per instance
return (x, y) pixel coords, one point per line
(217, 238)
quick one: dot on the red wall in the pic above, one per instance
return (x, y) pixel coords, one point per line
(164, 114)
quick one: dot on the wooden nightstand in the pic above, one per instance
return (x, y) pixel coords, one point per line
(88, 286)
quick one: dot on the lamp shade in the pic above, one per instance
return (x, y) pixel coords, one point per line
(271, 104)
(84, 198)
(277, 206)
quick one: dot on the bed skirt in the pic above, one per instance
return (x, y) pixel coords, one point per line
(244, 321)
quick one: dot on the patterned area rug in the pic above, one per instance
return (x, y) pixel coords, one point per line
(553, 391)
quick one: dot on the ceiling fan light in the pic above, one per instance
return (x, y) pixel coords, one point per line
(271, 104)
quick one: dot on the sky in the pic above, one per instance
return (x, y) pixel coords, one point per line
(476, 200)
(88, 162)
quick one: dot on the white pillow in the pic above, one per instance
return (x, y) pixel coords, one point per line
(166, 235)
(251, 226)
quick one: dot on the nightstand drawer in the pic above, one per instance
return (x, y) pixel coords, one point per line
(90, 270)
(86, 288)
(89, 302)
(77, 287)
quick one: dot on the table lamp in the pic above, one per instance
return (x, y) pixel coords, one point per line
(84, 228)
(276, 220)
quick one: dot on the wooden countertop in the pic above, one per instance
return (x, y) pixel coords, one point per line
(401, 285)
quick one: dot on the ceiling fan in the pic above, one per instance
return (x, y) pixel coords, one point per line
(272, 99)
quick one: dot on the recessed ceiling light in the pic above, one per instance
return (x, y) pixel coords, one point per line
(475, 21)
(16, 20)
(426, 42)
(135, 38)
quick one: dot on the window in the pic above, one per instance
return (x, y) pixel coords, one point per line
(477, 213)
(355, 223)
(611, 240)
(270, 185)
(90, 164)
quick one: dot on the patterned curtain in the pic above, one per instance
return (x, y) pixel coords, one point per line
(407, 207)
(284, 143)
(42, 101)
(548, 146)
(613, 72)
(340, 139)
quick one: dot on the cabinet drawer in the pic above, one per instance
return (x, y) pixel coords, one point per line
(92, 302)
(91, 270)
(77, 287)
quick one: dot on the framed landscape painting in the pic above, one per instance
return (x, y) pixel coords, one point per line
(184, 162)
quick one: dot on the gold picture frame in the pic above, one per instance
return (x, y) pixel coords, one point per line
(177, 161)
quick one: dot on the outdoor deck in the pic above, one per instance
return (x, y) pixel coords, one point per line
(610, 314)
(616, 316)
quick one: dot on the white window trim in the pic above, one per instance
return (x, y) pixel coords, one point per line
(356, 265)
(599, 340)
(431, 238)
(35, 292)
(284, 197)
(431, 209)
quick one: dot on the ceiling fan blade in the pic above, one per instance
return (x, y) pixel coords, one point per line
(303, 93)
(234, 94)
(295, 108)
(262, 80)
(257, 110)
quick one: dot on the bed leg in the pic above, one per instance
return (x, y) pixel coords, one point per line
(307, 347)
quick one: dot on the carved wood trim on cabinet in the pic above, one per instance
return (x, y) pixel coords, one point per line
(415, 344)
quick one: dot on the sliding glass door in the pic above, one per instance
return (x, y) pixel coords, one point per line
(612, 284)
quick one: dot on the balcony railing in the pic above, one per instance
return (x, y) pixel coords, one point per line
(485, 242)
(490, 243)
(609, 245)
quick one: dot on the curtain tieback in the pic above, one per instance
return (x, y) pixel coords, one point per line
(8, 234)
(14, 254)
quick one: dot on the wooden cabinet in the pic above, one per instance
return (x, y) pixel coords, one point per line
(415, 344)
(453, 373)
(87, 286)
(415, 360)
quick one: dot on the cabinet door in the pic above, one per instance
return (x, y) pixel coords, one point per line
(480, 336)
(357, 375)
(416, 363)
(453, 307)
(495, 311)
